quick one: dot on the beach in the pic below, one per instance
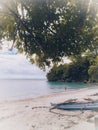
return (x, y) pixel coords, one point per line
(35, 114)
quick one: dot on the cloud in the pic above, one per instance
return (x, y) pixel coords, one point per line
(14, 65)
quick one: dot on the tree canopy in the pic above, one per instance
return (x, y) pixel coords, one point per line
(48, 30)
(76, 71)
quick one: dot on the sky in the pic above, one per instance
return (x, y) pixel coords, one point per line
(15, 66)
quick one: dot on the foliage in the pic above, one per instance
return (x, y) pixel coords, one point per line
(93, 70)
(48, 30)
(57, 73)
(76, 71)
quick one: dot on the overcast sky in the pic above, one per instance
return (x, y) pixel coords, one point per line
(15, 65)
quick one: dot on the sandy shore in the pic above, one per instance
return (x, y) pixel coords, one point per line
(34, 114)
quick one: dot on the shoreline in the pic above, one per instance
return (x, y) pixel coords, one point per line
(34, 114)
(46, 95)
(55, 94)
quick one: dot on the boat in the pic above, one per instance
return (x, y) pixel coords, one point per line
(76, 106)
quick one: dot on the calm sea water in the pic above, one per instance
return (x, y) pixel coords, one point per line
(16, 89)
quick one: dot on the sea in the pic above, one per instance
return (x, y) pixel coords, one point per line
(31, 88)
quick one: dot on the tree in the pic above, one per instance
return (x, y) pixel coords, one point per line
(58, 73)
(93, 70)
(48, 30)
(76, 71)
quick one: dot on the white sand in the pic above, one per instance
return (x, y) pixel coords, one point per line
(34, 114)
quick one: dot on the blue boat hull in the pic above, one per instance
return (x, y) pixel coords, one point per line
(77, 106)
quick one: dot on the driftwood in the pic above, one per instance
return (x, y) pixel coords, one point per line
(70, 100)
(90, 99)
(40, 107)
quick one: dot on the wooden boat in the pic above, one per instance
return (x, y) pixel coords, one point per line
(76, 106)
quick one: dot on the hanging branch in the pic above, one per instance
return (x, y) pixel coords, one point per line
(22, 23)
